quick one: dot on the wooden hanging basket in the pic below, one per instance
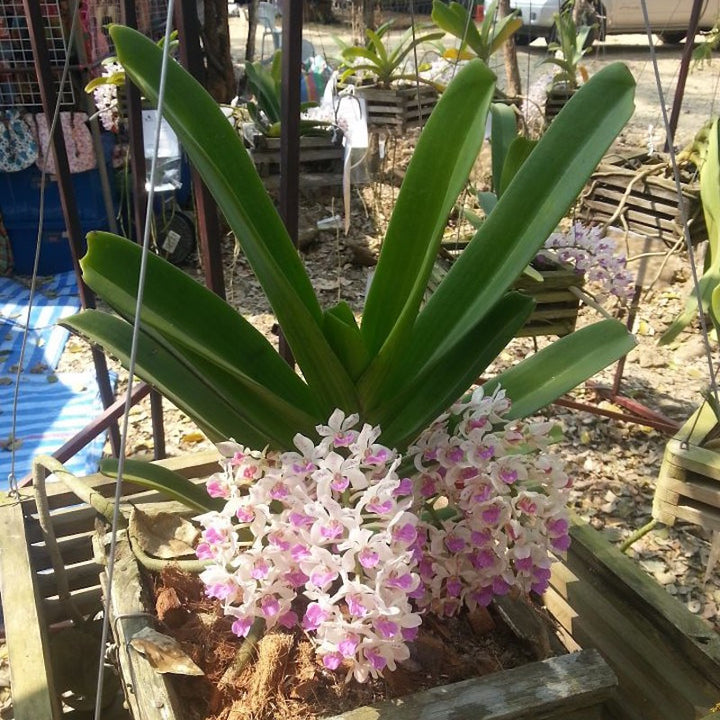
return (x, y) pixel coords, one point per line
(688, 487)
(600, 599)
(556, 301)
(637, 192)
(556, 98)
(321, 159)
(397, 109)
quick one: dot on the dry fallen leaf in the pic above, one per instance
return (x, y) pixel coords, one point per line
(192, 437)
(163, 535)
(164, 653)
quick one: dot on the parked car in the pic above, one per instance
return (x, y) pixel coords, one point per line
(668, 18)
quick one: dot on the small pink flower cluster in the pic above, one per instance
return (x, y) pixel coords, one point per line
(338, 539)
(331, 523)
(106, 97)
(492, 505)
(594, 254)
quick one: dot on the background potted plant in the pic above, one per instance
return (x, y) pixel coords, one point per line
(570, 45)
(395, 96)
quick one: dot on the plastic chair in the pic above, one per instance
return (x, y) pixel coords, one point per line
(267, 14)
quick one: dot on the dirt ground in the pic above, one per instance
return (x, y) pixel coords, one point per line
(614, 464)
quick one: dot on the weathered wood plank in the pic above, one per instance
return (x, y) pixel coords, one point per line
(149, 695)
(569, 687)
(25, 633)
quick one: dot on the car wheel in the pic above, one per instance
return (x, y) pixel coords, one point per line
(672, 38)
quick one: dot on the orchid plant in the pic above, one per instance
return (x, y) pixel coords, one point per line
(369, 489)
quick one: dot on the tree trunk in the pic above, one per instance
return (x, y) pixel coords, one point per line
(252, 30)
(319, 11)
(512, 71)
(362, 16)
(219, 73)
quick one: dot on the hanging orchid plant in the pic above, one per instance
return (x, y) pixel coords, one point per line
(369, 486)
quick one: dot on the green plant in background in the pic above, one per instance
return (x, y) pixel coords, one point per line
(572, 44)
(406, 362)
(455, 19)
(705, 151)
(383, 64)
(264, 107)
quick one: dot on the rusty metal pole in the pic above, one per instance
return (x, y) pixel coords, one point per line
(292, 23)
(188, 26)
(683, 72)
(48, 96)
(137, 174)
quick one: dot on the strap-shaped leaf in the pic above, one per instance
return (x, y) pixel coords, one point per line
(344, 336)
(456, 20)
(219, 156)
(432, 184)
(430, 394)
(710, 196)
(249, 414)
(563, 365)
(166, 481)
(503, 131)
(188, 313)
(537, 198)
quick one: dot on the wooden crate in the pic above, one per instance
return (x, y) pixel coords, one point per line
(666, 659)
(646, 191)
(556, 305)
(398, 109)
(688, 486)
(555, 101)
(321, 160)
(31, 605)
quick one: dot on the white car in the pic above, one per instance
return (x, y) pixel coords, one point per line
(668, 18)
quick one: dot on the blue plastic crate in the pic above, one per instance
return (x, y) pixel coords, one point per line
(55, 255)
(20, 196)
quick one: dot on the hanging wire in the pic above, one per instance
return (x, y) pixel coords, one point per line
(133, 351)
(681, 206)
(12, 478)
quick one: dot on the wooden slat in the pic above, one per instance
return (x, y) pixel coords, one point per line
(609, 603)
(569, 687)
(88, 601)
(149, 694)
(73, 549)
(79, 575)
(25, 634)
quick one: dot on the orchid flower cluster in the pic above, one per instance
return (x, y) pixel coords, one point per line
(105, 95)
(594, 254)
(353, 543)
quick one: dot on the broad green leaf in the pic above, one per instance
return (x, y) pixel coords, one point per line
(457, 21)
(527, 213)
(517, 153)
(344, 336)
(249, 413)
(166, 481)
(502, 133)
(262, 84)
(430, 394)
(432, 184)
(702, 296)
(506, 27)
(201, 321)
(563, 365)
(221, 159)
(487, 202)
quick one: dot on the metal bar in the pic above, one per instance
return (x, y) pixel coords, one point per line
(683, 72)
(48, 96)
(137, 171)
(292, 23)
(94, 428)
(669, 428)
(188, 26)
